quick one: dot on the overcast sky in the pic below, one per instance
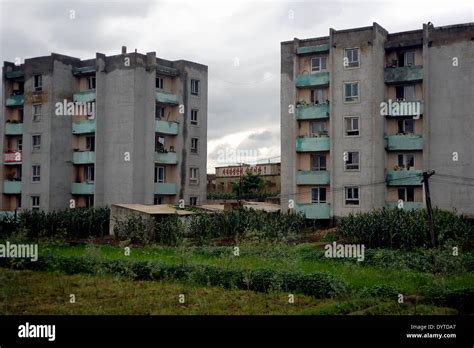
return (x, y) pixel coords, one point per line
(238, 40)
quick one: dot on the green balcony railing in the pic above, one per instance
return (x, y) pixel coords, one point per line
(312, 144)
(11, 187)
(406, 205)
(15, 100)
(84, 127)
(404, 142)
(13, 128)
(85, 96)
(165, 189)
(321, 177)
(312, 80)
(85, 70)
(313, 49)
(166, 127)
(410, 73)
(82, 188)
(166, 157)
(166, 98)
(83, 157)
(404, 177)
(315, 210)
(312, 112)
(14, 74)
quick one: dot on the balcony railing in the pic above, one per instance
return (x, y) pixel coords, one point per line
(11, 187)
(165, 189)
(12, 157)
(84, 127)
(85, 96)
(410, 177)
(166, 127)
(312, 80)
(15, 100)
(83, 157)
(312, 49)
(13, 128)
(404, 142)
(411, 73)
(312, 112)
(14, 74)
(315, 210)
(166, 157)
(312, 144)
(166, 98)
(82, 188)
(406, 205)
(321, 177)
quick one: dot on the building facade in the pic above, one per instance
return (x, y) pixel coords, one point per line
(129, 128)
(364, 113)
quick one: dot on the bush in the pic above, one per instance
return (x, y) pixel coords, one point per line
(384, 291)
(397, 228)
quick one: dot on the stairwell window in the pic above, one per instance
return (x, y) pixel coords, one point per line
(351, 195)
(351, 58)
(38, 80)
(36, 142)
(193, 200)
(351, 92)
(318, 195)
(195, 87)
(194, 176)
(318, 64)
(36, 112)
(194, 145)
(352, 161)
(352, 126)
(36, 173)
(194, 117)
(35, 202)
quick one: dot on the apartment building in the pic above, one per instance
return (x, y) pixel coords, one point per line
(127, 128)
(365, 112)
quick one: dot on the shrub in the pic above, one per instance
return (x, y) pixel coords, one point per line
(383, 290)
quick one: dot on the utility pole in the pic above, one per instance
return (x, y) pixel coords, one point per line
(429, 208)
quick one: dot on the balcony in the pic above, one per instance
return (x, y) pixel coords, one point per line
(404, 142)
(14, 100)
(312, 112)
(83, 71)
(406, 205)
(84, 127)
(410, 177)
(14, 74)
(315, 210)
(166, 127)
(312, 49)
(312, 144)
(12, 157)
(85, 96)
(402, 108)
(12, 187)
(166, 98)
(165, 189)
(312, 80)
(82, 188)
(13, 128)
(321, 177)
(166, 157)
(83, 157)
(412, 73)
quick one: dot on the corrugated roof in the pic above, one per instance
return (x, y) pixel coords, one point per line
(160, 209)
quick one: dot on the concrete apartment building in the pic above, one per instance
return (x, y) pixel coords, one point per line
(139, 138)
(345, 148)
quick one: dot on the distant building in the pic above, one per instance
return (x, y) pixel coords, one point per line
(270, 172)
(211, 183)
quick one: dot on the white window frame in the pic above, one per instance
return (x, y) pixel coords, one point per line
(195, 87)
(37, 147)
(357, 100)
(160, 82)
(89, 173)
(346, 198)
(195, 117)
(318, 189)
(318, 167)
(194, 176)
(315, 96)
(405, 193)
(405, 161)
(353, 164)
(405, 55)
(320, 59)
(160, 170)
(38, 78)
(36, 115)
(346, 130)
(404, 130)
(194, 141)
(35, 168)
(350, 60)
(34, 205)
(91, 82)
(318, 132)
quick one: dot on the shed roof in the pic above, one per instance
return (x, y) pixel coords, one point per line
(159, 209)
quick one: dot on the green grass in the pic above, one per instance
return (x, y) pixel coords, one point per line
(35, 293)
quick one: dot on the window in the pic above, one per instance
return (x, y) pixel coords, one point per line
(195, 87)
(36, 173)
(318, 128)
(157, 199)
(405, 92)
(318, 96)
(351, 92)
(36, 142)
(160, 83)
(159, 143)
(38, 82)
(351, 195)
(89, 173)
(352, 58)
(318, 64)
(406, 160)
(35, 202)
(194, 145)
(159, 174)
(194, 117)
(91, 82)
(20, 115)
(406, 194)
(89, 201)
(18, 202)
(36, 112)
(19, 143)
(194, 177)
(159, 112)
(193, 200)
(318, 195)
(90, 143)
(352, 126)
(409, 58)
(318, 162)
(406, 126)
(352, 162)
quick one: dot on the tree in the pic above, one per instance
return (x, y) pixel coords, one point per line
(249, 183)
